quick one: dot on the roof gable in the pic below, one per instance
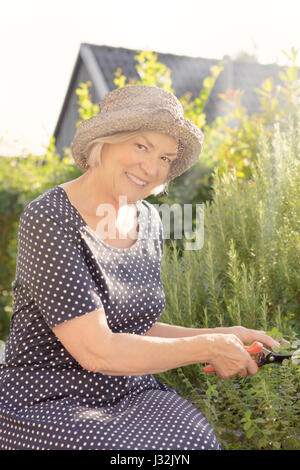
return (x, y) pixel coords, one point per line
(99, 64)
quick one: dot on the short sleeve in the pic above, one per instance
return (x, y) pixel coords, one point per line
(54, 268)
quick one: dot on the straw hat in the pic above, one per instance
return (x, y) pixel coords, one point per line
(141, 107)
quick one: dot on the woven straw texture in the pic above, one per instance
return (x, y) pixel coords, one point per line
(141, 107)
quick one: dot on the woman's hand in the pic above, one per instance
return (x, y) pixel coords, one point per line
(247, 335)
(229, 358)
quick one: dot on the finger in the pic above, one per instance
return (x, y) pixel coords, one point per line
(252, 368)
(284, 341)
(272, 343)
(243, 373)
(268, 341)
(223, 375)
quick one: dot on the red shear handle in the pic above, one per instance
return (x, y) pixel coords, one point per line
(254, 348)
(208, 369)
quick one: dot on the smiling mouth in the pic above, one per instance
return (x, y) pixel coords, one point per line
(136, 181)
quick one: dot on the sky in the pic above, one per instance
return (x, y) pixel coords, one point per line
(40, 41)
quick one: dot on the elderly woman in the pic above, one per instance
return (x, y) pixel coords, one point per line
(84, 337)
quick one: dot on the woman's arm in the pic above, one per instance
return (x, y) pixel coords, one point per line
(96, 348)
(163, 330)
(131, 354)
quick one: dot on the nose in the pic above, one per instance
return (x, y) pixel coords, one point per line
(150, 167)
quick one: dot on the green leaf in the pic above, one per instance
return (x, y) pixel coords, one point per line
(259, 420)
(247, 425)
(262, 442)
(250, 433)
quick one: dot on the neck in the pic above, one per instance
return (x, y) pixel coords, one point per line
(92, 194)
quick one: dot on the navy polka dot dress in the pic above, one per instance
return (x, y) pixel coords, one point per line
(47, 400)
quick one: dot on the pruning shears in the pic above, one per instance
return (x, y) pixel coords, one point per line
(264, 356)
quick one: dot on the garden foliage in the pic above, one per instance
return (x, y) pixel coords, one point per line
(246, 273)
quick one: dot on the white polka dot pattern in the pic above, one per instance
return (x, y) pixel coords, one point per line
(47, 400)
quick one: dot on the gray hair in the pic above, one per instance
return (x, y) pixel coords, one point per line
(94, 149)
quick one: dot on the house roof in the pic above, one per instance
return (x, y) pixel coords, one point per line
(99, 64)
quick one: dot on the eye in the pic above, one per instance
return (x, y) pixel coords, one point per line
(141, 145)
(168, 159)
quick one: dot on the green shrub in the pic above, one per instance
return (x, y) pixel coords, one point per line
(247, 273)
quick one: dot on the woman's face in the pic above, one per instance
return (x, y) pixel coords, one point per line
(134, 168)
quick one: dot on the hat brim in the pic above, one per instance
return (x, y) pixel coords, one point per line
(131, 119)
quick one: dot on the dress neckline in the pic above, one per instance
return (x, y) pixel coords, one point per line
(139, 219)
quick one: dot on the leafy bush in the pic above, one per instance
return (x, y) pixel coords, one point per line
(247, 273)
